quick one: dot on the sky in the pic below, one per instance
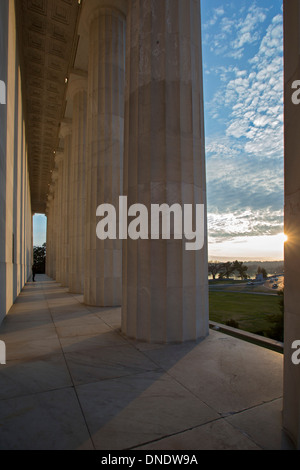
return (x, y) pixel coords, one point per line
(242, 42)
(243, 95)
(39, 229)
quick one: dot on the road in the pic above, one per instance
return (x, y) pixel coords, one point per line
(258, 288)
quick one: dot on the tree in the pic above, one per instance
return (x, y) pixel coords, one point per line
(262, 271)
(39, 258)
(241, 268)
(214, 269)
(226, 270)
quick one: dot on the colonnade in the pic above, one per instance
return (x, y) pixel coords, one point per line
(136, 130)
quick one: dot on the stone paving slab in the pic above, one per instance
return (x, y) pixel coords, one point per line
(73, 381)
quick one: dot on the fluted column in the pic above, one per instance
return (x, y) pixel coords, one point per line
(48, 269)
(53, 240)
(291, 388)
(59, 158)
(49, 241)
(54, 219)
(48, 236)
(66, 134)
(104, 163)
(165, 287)
(78, 94)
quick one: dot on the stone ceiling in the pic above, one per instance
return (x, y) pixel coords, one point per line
(48, 42)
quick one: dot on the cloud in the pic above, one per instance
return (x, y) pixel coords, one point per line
(245, 174)
(244, 198)
(217, 12)
(256, 101)
(233, 32)
(247, 30)
(236, 181)
(244, 224)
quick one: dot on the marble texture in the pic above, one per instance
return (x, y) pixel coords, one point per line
(77, 93)
(165, 288)
(15, 189)
(104, 157)
(291, 409)
(58, 215)
(74, 381)
(66, 209)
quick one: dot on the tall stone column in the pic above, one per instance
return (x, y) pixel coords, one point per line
(105, 142)
(165, 287)
(49, 241)
(78, 94)
(66, 190)
(47, 213)
(54, 218)
(291, 389)
(52, 231)
(59, 159)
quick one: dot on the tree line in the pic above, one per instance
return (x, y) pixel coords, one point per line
(225, 270)
(39, 259)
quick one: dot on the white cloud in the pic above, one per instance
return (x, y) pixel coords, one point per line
(234, 33)
(257, 101)
(227, 25)
(247, 31)
(217, 12)
(244, 223)
(237, 129)
(245, 164)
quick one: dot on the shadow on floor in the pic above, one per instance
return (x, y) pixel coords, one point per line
(73, 381)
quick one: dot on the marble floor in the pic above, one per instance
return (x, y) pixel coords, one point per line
(72, 381)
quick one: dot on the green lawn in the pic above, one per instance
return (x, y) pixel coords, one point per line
(250, 311)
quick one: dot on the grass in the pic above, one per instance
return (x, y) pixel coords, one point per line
(251, 312)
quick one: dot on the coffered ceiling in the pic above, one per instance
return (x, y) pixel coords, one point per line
(48, 43)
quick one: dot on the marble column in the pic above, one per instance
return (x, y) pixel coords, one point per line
(105, 143)
(165, 287)
(47, 212)
(291, 389)
(77, 92)
(66, 215)
(52, 232)
(49, 240)
(54, 219)
(59, 159)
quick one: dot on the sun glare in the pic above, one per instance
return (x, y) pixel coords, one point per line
(267, 247)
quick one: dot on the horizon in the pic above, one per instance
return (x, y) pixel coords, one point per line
(246, 260)
(40, 222)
